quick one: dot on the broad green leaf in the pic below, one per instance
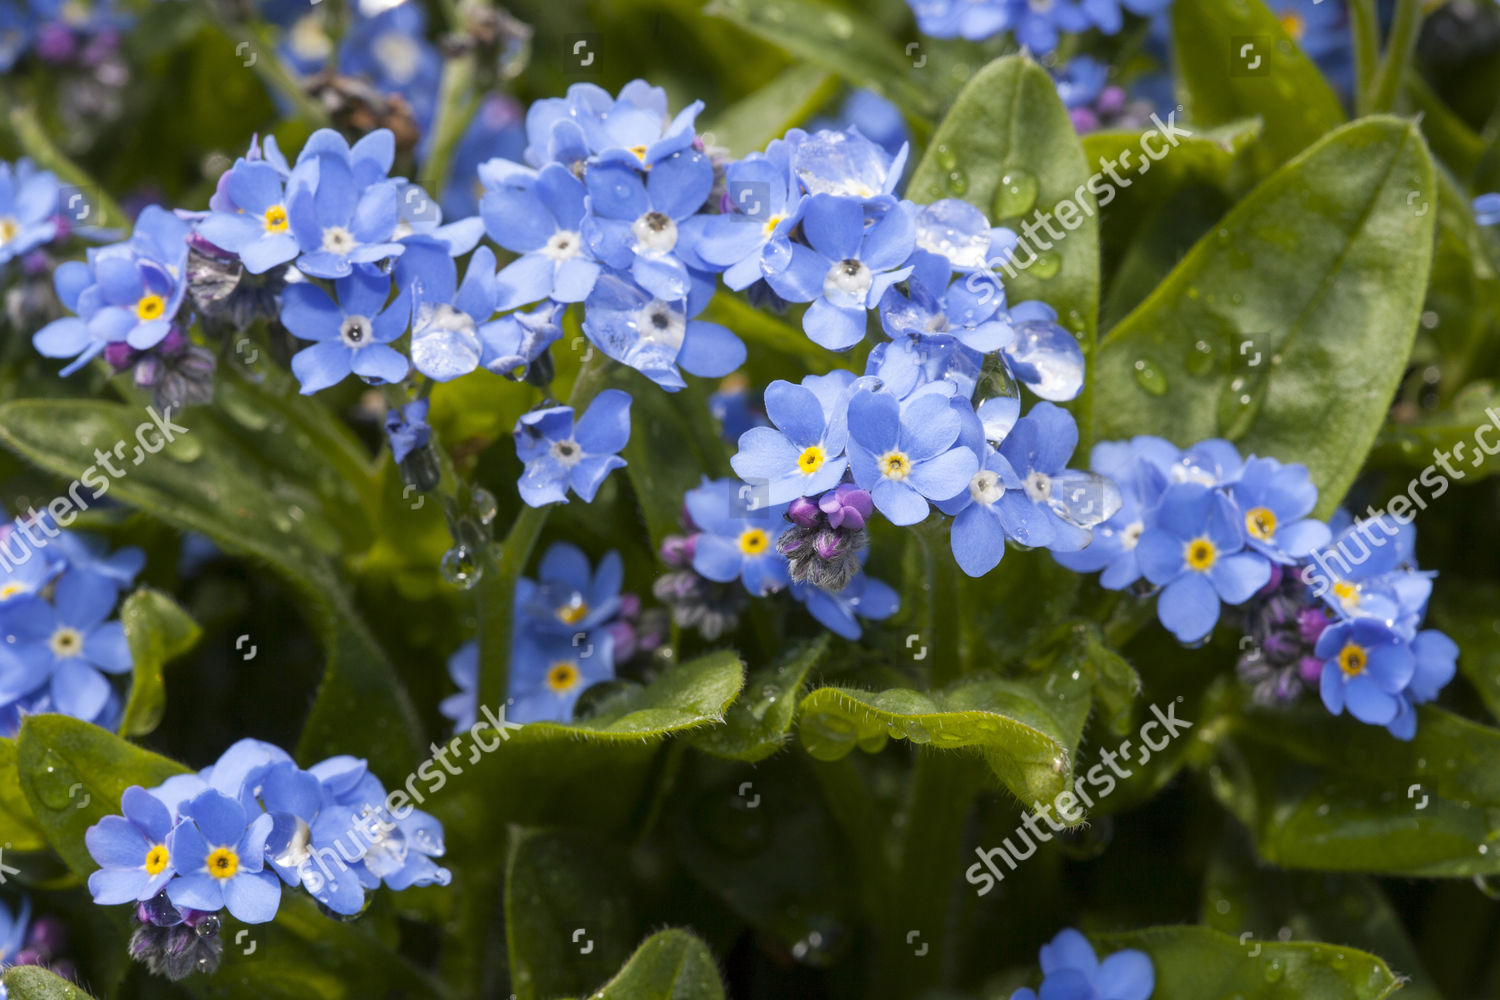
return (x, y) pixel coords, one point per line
(758, 722)
(1338, 795)
(787, 100)
(158, 631)
(222, 481)
(18, 827)
(670, 965)
(1161, 240)
(1009, 148)
(839, 41)
(1080, 646)
(1195, 963)
(1411, 445)
(1289, 326)
(568, 915)
(1469, 613)
(1240, 63)
(1025, 729)
(32, 982)
(693, 694)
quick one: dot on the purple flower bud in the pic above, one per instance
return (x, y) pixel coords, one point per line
(1311, 624)
(804, 512)
(1310, 668)
(118, 354)
(48, 936)
(828, 544)
(1111, 99)
(630, 605)
(624, 638)
(1273, 582)
(847, 506)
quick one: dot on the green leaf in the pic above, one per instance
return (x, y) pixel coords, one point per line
(1193, 963)
(1026, 729)
(1467, 613)
(1007, 132)
(158, 631)
(229, 485)
(787, 100)
(1300, 352)
(1369, 802)
(1271, 79)
(670, 965)
(759, 721)
(73, 775)
(556, 886)
(1161, 240)
(32, 982)
(693, 694)
(854, 47)
(18, 827)
(1412, 444)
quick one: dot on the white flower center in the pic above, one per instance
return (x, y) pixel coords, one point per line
(567, 452)
(564, 244)
(398, 53)
(986, 487)
(337, 239)
(9, 227)
(308, 41)
(355, 331)
(1130, 536)
(654, 233)
(66, 643)
(443, 318)
(849, 277)
(1039, 487)
(659, 323)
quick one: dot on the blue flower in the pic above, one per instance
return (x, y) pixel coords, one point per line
(804, 454)
(550, 671)
(463, 670)
(846, 269)
(558, 455)
(70, 642)
(569, 596)
(1322, 31)
(511, 344)
(1073, 972)
(220, 859)
(541, 217)
(1275, 500)
(352, 334)
(633, 224)
(257, 229)
(306, 824)
(1139, 468)
(13, 926)
(863, 597)
(1043, 355)
(874, 117)
(1369, 571)
(1082, 79)
(391, 49)
(735, 409)
(737, 536)
(634, 128)
(1109, 18)
(931, 307)
(654, 336)
(1066, 502)
(846, 164)
(1193, 547)
(763, 205)
(496, 131)
(339, 222)
(28, 208)
(1487, 209)
(89, 554)
(395, 851)
(407, 429)
(974, 20)
(1037, 26)
(993, 508)
(906, 454)
(131, 850)
(1366, 666)
(446, 315)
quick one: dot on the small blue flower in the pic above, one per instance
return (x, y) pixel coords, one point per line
(131, 850)
(550, 671)
(397, 852)
(846, 164)
(569, 596)
(256, 229)
(463, 670)
(558, 455)
(974, 20)
(634, 128)
(28, 208)
(993, 508)
(338, 222)
(654, 336)
(1038, 26)
(874, 117)
(1073, 972)
(1193, 547)
(1044, 356)
(1322, 31)
(446, 315)
(13, 927)
(1082, 79)
(498, 130)
(1369, 570)
(863, 597)
(541, 217)
(634, 224)
(71, 642)
(932, 307)
(512, 343)
(735, 409)
(1275, 500)
(763, 204)
(1108, 17)
(1066, 502)
(906, 454)
(804, 454)
(352, 334)
(1487, 209)
(220, 859)
(1366, 666)
(407, 429)
(737, 536)
(847, 268)
(391, 49)
(1139, 468)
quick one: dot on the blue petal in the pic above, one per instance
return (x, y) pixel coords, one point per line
(1188, 607)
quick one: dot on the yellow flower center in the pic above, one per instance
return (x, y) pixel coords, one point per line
(223, 863)
(573, 612)
(753, 542)
(811, 460)
(150, 306)
(1294, 25)
(8, 230)
(66, 642)
(1352, 660)
(562, 677)
(1347, 593)
(772, 223)
(9, 590)
(276, 219)
(1261, 523)
(156, 860)
(640, 152)
(1201, 554)
(894, 465)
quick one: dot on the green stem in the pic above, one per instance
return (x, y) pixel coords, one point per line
(36, 144)
(1398, 53)
(497, 583)
(1364, 33)
(943, 637)
(457, 103)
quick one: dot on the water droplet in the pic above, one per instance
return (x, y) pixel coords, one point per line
(1149, 377)
(1016, 193)
(957, 182)
(1272, 972)
(827, 736)
(55, 784)
(460, 567)
(1046, 265)
(483, 505)
(839, 24)
(945, 157)
(1239, 404)
(1200, 358)
(1489, 885)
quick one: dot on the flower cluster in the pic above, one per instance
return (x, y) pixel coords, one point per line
(573, 627)
(59, 33)
(1037, 26)
(560, 454)
(58, 591)
(1072, 971)
(229, 836)
(1212, 529)
(28, 209)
